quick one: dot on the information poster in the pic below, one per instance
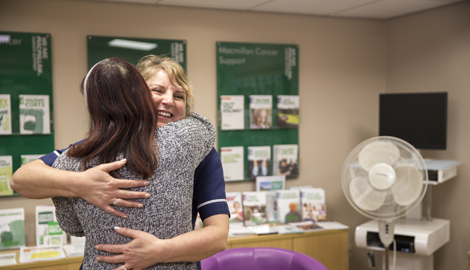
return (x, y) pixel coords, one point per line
(6, 172)
(25, 75)
(5, 115)
(266, 76)
(232, 112)
(34, 114)
(133, 49)
(12, 228)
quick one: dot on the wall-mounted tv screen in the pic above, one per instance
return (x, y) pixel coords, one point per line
(418, 118)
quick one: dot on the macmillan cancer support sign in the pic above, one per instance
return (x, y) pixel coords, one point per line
(255, 70)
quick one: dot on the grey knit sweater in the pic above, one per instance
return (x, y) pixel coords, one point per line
(166, 214)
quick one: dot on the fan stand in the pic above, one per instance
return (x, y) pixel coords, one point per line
(422, 212)
(386, 263)
(386, 234)
(385, 171)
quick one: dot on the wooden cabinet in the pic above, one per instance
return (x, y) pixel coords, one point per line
(330, 247)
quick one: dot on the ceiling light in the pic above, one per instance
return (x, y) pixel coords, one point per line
(130, 44)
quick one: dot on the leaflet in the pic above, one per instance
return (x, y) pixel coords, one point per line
(232, 112)
(6, 172)
(12, 228)
(5, 114)
(261, 107)
(34, 114)
(32, 254)
(233, 162)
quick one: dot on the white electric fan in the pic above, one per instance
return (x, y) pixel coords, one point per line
(384, 178)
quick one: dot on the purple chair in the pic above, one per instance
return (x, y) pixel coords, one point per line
(259, 259)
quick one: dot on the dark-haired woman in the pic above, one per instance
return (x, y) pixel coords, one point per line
(123, 123)
(171, 94)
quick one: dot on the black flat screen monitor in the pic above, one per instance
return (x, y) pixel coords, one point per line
(418, 118)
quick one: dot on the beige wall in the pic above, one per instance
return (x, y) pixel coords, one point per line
(344, 64)
(430, 51)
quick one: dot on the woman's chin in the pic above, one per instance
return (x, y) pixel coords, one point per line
(162, 123)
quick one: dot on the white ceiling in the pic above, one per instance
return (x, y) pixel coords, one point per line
(370, 9)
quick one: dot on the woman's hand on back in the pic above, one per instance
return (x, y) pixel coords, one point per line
(143, 251)
(104, 191)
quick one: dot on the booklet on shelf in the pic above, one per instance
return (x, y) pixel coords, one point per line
(288, 206)
(74, 250)
(307, 226)
(332, 225)
(238, 229)
(285, 161)
(263, 229)
(261, 107)
(77, 240)
(34, 114)
(5, 114)
(6, 172)
(12, 230)
(232, 112)
(287, 229)
(270, 184)
(48, 232)
(44, 253)
(233, 162)
(313, 204)
(234, 202)
(288, 111)
(7, 259)
(254, 208)
(259, 161)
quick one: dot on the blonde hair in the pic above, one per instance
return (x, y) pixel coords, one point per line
(149, 65)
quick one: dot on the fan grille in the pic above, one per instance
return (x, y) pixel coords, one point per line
(405, 193)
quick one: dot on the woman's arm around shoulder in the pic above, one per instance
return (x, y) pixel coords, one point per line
(37, 180)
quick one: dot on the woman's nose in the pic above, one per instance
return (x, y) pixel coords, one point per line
(168, 100)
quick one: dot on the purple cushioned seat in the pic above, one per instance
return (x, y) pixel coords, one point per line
(259, 259)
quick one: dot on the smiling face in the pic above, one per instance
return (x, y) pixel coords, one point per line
(260, 117)
(169, 98)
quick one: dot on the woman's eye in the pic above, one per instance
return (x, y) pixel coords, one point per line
(157, 91)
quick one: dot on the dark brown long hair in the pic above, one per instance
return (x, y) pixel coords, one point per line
(122, 116)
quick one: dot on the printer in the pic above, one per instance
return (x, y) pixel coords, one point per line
(421, 237)
(441, 170)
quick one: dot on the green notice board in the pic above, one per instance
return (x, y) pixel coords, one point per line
(132, 49)
(26, 100)
(251, 76)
